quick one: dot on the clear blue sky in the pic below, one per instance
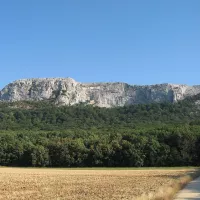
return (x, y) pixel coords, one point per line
(134, 41)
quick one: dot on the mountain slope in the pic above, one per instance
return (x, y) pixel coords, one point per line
(67, 91)
(39, 133)
(44, 115)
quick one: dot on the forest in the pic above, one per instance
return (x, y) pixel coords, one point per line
(39, 134)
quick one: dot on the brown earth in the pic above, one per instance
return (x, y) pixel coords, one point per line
(42, 184)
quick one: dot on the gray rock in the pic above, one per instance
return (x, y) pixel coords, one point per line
(66, 91)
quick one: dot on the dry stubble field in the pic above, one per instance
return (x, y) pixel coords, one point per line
(42, 184)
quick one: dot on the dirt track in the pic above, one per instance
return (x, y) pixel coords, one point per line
(190, 192)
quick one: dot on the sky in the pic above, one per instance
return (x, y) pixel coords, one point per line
(134, 41)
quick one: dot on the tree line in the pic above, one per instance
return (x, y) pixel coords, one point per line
(174, 146)
(43, 135)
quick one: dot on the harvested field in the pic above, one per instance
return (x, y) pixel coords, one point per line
(36, 184)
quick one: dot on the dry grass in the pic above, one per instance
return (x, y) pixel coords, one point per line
(42, 184)
(168, 192)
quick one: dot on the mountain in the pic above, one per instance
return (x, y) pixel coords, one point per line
(67, 91)
(39, 133)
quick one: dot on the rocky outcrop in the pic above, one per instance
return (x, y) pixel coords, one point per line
(66, 91)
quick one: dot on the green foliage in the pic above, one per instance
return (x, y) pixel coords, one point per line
(175, 146)
(46, 116)
(41, 134)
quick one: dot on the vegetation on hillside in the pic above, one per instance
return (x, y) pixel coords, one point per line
(41, 134)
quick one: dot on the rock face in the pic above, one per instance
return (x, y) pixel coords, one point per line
(66, 91)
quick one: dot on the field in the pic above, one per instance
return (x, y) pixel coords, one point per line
(36, 184)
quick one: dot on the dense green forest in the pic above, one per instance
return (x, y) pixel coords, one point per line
(41, 134)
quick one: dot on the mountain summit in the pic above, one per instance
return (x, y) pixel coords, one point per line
(67, 91)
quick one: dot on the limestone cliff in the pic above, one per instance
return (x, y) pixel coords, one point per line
(66, 91)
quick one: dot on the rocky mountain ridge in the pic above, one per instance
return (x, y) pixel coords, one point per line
(67, 91)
